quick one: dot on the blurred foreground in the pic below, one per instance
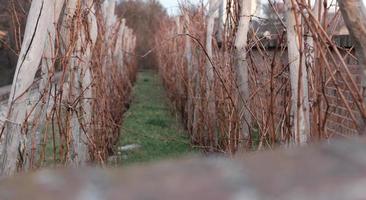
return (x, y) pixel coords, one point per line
(329, 171)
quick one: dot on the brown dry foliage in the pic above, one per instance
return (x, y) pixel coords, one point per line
(269, 102)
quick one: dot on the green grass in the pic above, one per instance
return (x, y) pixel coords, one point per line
(149, 123)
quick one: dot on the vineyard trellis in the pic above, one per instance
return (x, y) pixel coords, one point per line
(80, 54)
(285, 87)
(239, 81)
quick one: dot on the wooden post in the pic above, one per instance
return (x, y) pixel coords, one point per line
(220, 31)
(39, 20)
(354, 15)
(190, 73)
(47, 68)
(210, 81)
(241, 67)
(298, 75)
(81, 141)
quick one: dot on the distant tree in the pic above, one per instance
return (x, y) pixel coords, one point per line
(3, 15)
(13, 15)
(17, 12)
(143, 16)
(274, 10)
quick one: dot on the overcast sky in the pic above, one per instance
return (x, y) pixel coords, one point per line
(170, 5)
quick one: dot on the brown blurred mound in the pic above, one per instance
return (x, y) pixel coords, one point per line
(329, 171)
(144, 17)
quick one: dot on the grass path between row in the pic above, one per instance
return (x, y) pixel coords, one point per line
(150, 124)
